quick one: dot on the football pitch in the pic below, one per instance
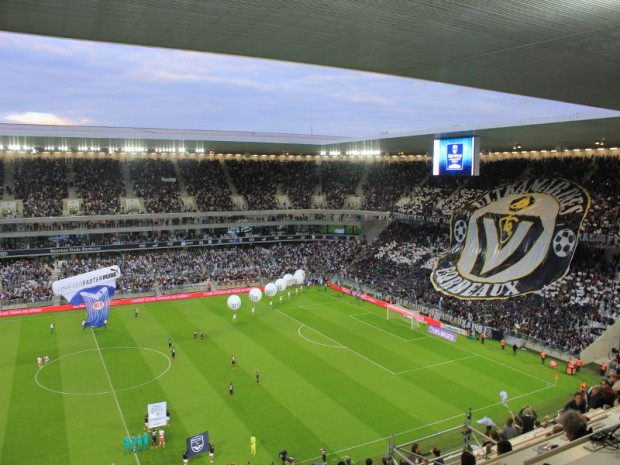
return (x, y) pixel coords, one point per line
(334, 372)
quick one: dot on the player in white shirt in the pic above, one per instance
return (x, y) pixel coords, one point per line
(39, 362)
(46, 359)
(162, 441)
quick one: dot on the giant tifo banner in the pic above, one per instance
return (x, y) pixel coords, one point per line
(513, 240)
(94, 289)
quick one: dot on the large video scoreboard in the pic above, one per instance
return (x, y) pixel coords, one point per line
(459, 156)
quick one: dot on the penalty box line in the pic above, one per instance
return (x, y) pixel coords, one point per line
(482, 356)
(454, 417)
(355, 317)
(343, 346)
(374, 314)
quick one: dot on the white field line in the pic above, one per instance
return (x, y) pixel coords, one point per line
(436, 365)
(340, 346)
(483, 357)
(344, 346)
(383, 330)
(489, 359)
(36, 376)
(454, 417)
(113, 391)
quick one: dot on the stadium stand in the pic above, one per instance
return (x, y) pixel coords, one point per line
(155, 180)
(99, 182)
(206, 181)
(42, 185)
(568, 315)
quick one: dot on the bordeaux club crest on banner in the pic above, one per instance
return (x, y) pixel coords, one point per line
(197, 444)
(513, 240)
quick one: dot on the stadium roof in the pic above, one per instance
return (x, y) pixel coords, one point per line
(565, 50)
(579, 131)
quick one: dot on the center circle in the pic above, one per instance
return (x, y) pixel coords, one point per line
(83, 372)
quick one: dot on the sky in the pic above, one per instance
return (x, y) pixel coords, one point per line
(47, 80)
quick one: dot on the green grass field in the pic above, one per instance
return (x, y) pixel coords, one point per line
(334, 372)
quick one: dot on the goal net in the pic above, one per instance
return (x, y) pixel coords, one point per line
(409, 317)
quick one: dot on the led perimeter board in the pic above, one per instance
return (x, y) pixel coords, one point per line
(458, 156)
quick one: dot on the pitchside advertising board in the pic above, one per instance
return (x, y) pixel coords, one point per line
(513, 240)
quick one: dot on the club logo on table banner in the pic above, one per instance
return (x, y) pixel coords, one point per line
(197, 444)
(94, 289)
(513, 240)
(157, 414)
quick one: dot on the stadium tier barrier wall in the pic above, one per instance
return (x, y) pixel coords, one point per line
(600, 349)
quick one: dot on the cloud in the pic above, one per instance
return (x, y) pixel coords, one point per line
(34, 117)
(205, 77)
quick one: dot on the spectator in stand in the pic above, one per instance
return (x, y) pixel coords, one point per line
(577, 403)
(573, 423)
(528, 417)
(510, 430)
(596, 398)
(503, 447)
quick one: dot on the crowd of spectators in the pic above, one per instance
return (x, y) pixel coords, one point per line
(42, 185)
(27, 280)
(99, 183)
(155, 180)
(298, 180)
(388, 182)
(206, 181)
(340, 179)
(569, 314)
(173, 268)
(256, 181)
(403, 186)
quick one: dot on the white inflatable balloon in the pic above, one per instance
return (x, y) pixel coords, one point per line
(255, 294)
(280, 284)
(271, 289)
(234, 302)
(299, 277)
(288, 279)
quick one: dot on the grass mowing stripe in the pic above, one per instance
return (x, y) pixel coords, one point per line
(310, 395)
(255, 409)
(32, 410)
(344, 398)
(120, 412)
(9, 343)
(340, 343)
(358, 318)
(420, 430)
(436, 365)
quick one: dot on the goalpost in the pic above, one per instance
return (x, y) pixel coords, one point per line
(396, 312)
